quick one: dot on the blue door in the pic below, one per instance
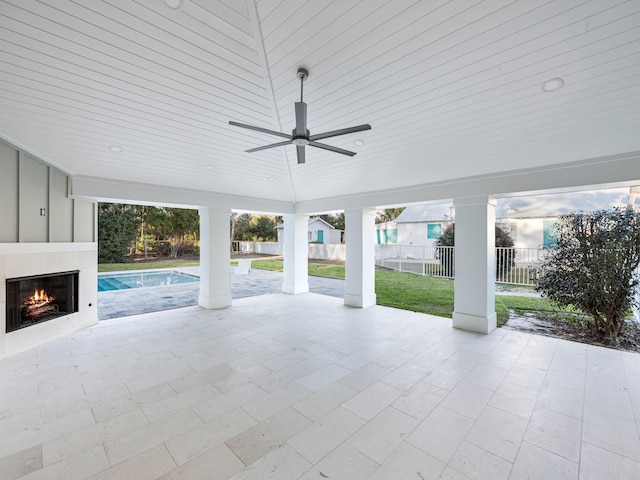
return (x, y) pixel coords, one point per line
(320, 236)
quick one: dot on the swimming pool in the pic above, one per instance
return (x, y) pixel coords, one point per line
(124, 281)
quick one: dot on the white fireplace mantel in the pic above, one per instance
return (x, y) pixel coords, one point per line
(27, 259)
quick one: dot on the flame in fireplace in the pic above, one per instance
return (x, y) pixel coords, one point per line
(39, 304)
(39, 298)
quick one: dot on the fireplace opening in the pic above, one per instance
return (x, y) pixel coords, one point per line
(36, 299)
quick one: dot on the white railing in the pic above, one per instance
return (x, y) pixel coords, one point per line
(513, 265)
(420, 259)
(517, 265)
(636, 307)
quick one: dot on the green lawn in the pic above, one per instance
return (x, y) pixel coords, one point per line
(406, 291)
(116, 267)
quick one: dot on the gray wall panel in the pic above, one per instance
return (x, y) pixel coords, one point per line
(61, 207)
(84, 221)
(8, 194)
(34, 196)
(30, 187)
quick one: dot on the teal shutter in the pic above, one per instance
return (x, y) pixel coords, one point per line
(434, 230)
(550, 234)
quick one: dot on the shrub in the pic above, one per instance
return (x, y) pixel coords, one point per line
(505, 259)
(594, 267)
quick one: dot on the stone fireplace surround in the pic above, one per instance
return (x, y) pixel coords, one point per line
(26, 259)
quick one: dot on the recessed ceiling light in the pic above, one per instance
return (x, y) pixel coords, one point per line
(553, 84)
(359, 143)
(173, 3)
(116, 148)
(210, 167)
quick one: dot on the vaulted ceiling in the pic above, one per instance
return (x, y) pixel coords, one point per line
(451, 89)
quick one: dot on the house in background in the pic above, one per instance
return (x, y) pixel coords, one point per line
(530, 220)
(319, 231)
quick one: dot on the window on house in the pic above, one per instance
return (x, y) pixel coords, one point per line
(391, 235)
(309, 235)
(550, 234)
(434, 230)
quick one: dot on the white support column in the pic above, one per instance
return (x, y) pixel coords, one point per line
(360, 265)
(296, 254)
(474, 286)
(215, 256)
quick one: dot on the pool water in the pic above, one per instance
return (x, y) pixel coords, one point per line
(124, 281)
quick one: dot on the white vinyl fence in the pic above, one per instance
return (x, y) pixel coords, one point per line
(263, 248)
(319, 251)
(513, 265)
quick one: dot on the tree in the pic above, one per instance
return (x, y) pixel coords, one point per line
(262, 228)
(178, 227)
(336, 220)
(594, 267)
(505, 258)
(117, 227)
(388, 214)
(241, 227)
(255, 228)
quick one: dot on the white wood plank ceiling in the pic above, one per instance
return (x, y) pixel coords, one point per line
(451, 88)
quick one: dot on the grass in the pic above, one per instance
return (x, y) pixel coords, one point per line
(430, 295)
(116, 267)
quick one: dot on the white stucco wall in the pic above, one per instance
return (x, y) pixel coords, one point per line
(416, 234)
(526, 232)
(329, 236)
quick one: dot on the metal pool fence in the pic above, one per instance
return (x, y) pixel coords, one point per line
(517, 266)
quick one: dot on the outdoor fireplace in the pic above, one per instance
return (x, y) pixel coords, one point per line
(36, 299)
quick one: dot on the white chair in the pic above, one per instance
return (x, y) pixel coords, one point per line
(244, 267)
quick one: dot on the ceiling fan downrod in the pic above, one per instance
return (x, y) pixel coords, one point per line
(302, 75)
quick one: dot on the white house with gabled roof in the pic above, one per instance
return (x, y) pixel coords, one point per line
(319, 231)
(529, 219)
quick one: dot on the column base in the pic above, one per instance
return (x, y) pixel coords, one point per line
(295, 289)
(474, 323)
(214, 303)
(359, 301)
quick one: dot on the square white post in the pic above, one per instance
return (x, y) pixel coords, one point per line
(474, 285)
(296, 254)
(360, 240)
(215, 257)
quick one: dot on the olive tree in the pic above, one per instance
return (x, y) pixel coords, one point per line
(594, 267)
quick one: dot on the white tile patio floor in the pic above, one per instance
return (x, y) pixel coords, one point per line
(287, 387)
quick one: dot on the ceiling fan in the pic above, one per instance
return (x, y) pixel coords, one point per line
(300, 136)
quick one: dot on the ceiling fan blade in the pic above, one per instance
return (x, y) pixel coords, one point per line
(279, 144)
(259, 129)
(300, 150)
(342, 131)
(333, 149)
(301, 120)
